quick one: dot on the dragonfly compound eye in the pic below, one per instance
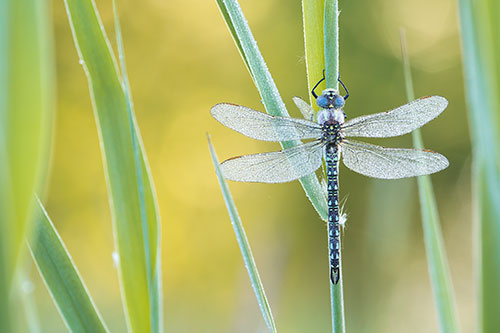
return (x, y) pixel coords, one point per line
(322, 101)
(338, 102)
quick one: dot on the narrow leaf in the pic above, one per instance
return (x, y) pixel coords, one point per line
(62, 278)
(480, 32)
(271, 98)
(437, 261)
(133, 202)
(155, 290)
(246, 252)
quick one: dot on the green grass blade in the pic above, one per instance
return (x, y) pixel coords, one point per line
(480, 33)
(437, 261)
(130, 190)
(26, 105)
(154, 275)
(246, 252)
(273, 103)
(62, 278)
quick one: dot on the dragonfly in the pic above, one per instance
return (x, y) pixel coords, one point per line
(331, 140)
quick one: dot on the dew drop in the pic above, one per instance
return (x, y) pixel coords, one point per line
(27, 286)
(116, 258)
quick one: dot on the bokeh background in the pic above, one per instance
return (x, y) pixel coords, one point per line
(181, 61)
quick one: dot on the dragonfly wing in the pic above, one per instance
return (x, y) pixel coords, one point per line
(275, 167)
(304, 107)
(390, 163)
(398, 121)
(261, 126)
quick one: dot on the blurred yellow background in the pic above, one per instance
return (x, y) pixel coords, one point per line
(181, 61)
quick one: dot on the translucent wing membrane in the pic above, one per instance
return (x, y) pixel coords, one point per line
(275, 167)
(399, 121)
(262, 126)
(304, 107)
(390, 163)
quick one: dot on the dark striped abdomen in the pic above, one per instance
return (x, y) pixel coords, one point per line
(332, 164)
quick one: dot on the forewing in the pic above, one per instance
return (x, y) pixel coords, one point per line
(304, 107)
(275, 167)
(390, 163)
(398, 121)
(262, 126)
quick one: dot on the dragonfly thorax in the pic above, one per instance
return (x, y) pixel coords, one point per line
(330, 116)
(331, 133)
(330, 99)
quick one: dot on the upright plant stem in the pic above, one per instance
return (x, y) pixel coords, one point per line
(331, 42)
(331, 33)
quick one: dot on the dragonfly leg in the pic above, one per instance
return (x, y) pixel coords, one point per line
(317, 84)
(332, 162)
(345, 88)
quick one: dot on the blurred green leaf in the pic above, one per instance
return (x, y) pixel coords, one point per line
(246, 252)
(62, 278)
(271, 98)
(26, 104)
(437, 260)
(480, 32)
(133, 202)
(312, 15)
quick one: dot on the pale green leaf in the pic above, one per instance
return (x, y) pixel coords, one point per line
(480, 33)
(312, 15)
(437, 261)
(132, 197)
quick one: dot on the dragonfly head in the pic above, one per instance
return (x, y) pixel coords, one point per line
(330, 99)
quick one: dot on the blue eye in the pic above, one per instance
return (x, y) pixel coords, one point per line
(322, 102)
(339, 102)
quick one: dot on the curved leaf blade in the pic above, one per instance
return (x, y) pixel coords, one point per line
(245, 249)
(437, 260)
(62, 278)
(131, 193)
(264, 82)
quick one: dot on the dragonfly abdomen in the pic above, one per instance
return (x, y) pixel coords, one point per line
(332, 162)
